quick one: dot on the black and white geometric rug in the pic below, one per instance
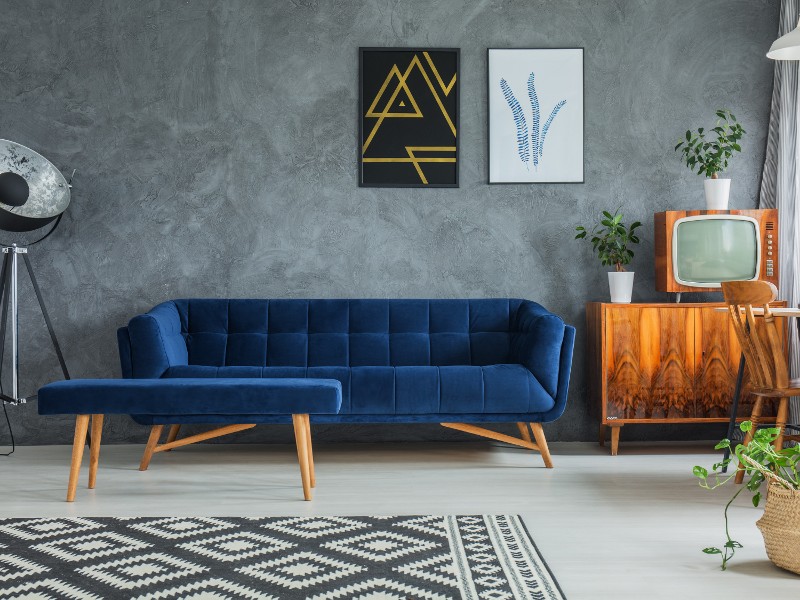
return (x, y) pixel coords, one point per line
(324, 558)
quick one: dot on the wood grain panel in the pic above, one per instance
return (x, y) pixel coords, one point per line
(648, 362)
(717, 363)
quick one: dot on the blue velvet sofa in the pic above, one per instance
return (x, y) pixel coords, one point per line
(454, 362)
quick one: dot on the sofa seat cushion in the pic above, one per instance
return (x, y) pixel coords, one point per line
(412, 390)
(190, 396)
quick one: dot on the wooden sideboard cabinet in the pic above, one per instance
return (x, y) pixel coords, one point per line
(662, 363)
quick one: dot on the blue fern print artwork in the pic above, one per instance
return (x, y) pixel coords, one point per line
(530, 141)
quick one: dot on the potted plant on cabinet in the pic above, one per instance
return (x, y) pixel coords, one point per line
(780, 524)
(710, 152)
(610, 240)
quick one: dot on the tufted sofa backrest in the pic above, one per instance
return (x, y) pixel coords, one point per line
(348, 333)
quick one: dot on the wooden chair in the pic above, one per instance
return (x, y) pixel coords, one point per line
(764, 354)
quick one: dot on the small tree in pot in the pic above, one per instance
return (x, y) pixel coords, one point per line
(710, 152)
(611, 239)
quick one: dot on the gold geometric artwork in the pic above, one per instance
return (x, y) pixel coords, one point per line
(395, 100)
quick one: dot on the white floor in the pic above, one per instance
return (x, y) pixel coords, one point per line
(625, 527)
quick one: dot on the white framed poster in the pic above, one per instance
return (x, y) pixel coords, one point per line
(536, 115)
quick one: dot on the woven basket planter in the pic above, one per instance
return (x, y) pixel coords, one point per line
(780, 524)
(780, 527)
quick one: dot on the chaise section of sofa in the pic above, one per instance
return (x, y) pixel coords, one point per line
(455, 362)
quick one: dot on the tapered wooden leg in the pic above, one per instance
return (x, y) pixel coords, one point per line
(94, 449)
(615, 439)
(780, 422)
(310, 452)
(299, 422)
(754, 418)
(602, 435)
(538, 434)
(523, 431)
(78, 443)
(172, 435)
(152, 442)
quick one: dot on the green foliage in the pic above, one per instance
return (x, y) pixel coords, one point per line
(710, 155)
(761, 450)
(611, 238)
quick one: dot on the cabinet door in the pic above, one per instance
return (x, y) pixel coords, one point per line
(649, 362)
(717, 363)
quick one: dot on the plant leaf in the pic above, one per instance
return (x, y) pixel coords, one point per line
(535, 121)
(523, 144)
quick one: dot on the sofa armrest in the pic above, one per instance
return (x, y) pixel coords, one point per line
(565, 368)
(540, 337)
(156, 342)
(124, 345)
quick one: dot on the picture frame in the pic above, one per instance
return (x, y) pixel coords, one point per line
(536, 115)
(408, 104)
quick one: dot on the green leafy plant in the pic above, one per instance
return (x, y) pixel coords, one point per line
(611, 238)
(709, 152)
(760, 450)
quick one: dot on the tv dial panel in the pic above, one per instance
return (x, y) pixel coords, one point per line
(770, 260)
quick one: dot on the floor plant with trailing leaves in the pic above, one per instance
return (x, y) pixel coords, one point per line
(760, 449)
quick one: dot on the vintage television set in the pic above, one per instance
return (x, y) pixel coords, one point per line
(697, 250)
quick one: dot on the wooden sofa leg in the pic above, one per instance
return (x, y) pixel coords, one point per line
(523, 431)
(172, 435)
(94, 449)
(78, 443)
(302, 442)
(541, 441)
(152, 442)
(310, 452)
(540, 445)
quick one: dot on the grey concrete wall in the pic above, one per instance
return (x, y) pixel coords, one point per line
(215, 144)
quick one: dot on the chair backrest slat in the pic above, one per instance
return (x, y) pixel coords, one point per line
(759, 337)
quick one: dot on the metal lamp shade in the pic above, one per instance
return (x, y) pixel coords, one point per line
(48, 191)
(786, 47)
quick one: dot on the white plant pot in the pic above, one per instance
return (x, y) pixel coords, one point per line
(621, 286)
(717, 193)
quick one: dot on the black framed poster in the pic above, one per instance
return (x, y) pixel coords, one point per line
(408, 117)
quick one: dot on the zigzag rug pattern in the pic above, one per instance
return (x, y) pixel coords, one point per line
(489, 557)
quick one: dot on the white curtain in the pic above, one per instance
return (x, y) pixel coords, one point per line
(780, 184)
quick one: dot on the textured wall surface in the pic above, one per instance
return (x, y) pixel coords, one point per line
(215, 144)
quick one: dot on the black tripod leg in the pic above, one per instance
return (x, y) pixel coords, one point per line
(737, 392)
(5, 276)
(50, 329)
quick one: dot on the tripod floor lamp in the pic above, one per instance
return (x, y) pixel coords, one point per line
(33, 195)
